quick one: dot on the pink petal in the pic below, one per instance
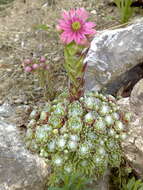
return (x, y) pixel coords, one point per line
(35, 66)
(65, 15)
(88, 28)
(84, 42)
(28, 69)
(66, 37)
(89, 31)
(89, 24)
(72, 13)
(78, 37)
(82, 13)
(77, 19)
(58, 28)
(77, 40)
(63, 25)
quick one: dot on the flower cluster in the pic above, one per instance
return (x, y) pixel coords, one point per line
(33, 65)
(74, 26)
(44, 72)
(82, 136)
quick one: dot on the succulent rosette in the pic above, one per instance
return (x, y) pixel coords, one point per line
(76, 136)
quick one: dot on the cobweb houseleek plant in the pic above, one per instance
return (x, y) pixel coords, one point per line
(77, 132)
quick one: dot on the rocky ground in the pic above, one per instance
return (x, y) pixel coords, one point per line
(20, 38)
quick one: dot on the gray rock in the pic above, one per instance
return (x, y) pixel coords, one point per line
(133, 145)
(136, 98)
(113, 53)
(6, 110)
(19, 169)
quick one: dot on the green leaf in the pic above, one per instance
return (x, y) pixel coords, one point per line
(125, 9)
(131, 183)
(138, 184)
(41, 27)
(5, 1)
(55, 188)
(72, 64)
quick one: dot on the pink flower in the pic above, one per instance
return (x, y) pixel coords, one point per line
(74, 26)
(28, 69)
(42, 59)
(27, 61)
(35, 66)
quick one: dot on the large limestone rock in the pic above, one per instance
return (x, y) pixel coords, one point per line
(133, 145)
(19, 169)
(112, 54)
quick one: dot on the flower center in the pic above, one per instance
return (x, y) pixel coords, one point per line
(76, 26)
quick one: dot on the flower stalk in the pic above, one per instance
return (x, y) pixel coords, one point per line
(75, 70)
(75, 32)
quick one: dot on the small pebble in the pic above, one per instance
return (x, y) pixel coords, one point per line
(94, 12)
(18, 101)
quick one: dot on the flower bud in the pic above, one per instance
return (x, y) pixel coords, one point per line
(58, 28)
(28, 69)
(42, 59)
(35, 66)
(85, 42)
(27, 61)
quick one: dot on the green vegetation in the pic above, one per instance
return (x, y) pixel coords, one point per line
(2, 2)
(125, 8)
(80, 136)
(73, 181)
(133, 184)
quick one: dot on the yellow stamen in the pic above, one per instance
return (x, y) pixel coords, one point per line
(76, 26)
